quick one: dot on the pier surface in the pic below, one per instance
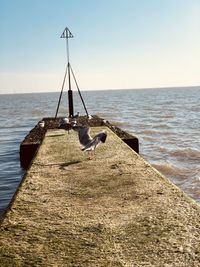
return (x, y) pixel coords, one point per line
(113, 210)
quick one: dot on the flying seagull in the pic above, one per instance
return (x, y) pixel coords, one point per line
(88, 143)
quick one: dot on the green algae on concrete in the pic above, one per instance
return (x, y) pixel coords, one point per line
(113, 210)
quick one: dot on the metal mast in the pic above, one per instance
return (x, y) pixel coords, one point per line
(67, 34)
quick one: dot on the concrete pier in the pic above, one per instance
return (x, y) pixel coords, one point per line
(113, 210)
(33, 140)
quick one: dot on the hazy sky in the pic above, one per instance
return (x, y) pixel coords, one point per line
(117, 43)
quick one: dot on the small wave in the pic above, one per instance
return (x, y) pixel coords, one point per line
(118, 123)
(155, 132)
(195, 109)
(101, 115)
(168, 116)
(162, 126)
(149, 132)
(171, 170)
(187, 179)
(37, 112)
(187, 154)
(148, 138)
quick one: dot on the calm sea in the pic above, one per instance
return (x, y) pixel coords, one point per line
(166, 121)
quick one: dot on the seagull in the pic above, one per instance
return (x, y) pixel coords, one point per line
(88, 143)
(73, 122)
(41, 124)
(64, 124)
(77, 115)
(65, 120)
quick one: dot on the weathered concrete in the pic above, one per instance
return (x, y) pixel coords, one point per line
(114, 210)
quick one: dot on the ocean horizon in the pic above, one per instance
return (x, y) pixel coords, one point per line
(108, 89)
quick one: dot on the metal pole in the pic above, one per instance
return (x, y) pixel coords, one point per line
(61, 92)
(67, 34)
(70, 95)
(79, 92)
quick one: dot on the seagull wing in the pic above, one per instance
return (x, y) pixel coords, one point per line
(84, 136)
(92, 144)
(102, 136)
(97, 140)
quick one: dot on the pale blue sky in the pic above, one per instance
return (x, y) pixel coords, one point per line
(117, 43)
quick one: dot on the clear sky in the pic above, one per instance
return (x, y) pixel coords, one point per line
(117, 44)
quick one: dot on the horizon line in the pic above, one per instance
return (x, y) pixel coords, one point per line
(108, 89)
